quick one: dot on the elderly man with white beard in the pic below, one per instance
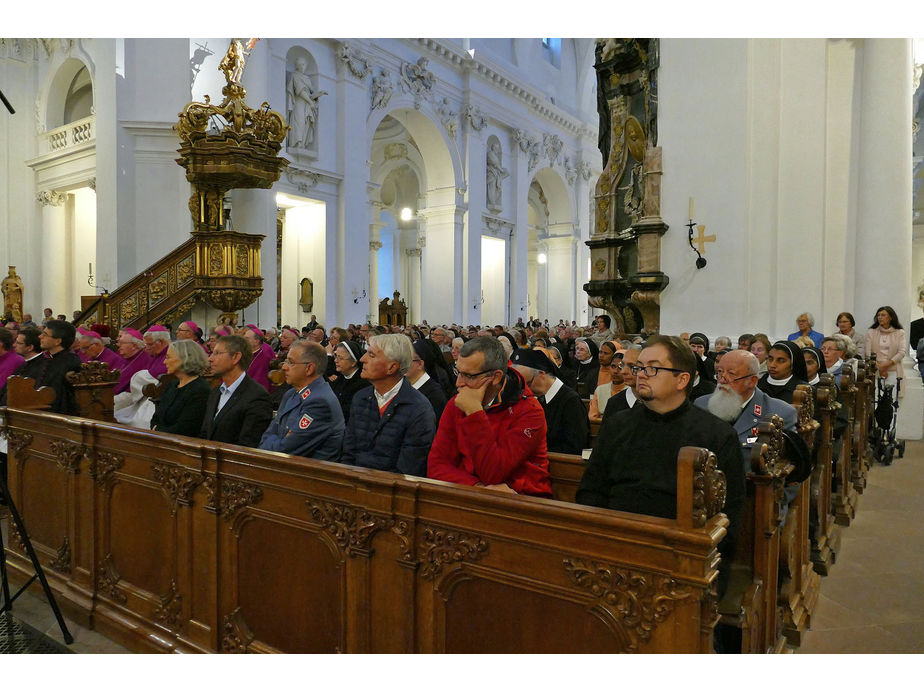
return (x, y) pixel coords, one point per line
(738, 401)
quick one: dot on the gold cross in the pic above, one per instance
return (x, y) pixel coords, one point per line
(701, 240)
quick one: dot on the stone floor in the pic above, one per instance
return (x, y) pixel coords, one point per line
(872, 601)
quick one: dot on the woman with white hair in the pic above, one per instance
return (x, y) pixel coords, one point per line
(805, 322)
(182, 405)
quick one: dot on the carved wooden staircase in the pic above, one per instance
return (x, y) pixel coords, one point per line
(221, 268)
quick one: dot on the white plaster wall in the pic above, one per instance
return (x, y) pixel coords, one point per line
(493, 280)
(83, 248)
(303, 242)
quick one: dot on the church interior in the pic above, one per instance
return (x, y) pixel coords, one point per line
(676, 185)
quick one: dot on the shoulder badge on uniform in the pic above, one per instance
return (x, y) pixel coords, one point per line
(756, 410)
(304, 422)
(305, 395)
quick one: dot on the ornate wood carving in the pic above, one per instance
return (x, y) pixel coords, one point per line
(16, 538)
(236, 636)
(68, 454)
(62, 562)
(638, 600)
(185, 270)
(17, 441)
(444, 547)
(177, 483)
(108, 579)
(93, 372)
(709, 488)
(230, 496)
(103, 466)
(402, 529)
(350, 528)
(171, 608)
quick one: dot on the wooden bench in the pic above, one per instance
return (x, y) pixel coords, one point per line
(750, 601)
(168, 543)
(844, 495)
(799, 583)
(825, 536)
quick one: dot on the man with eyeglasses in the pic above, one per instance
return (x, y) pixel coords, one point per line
(634, 464)
(239, 410)
(493, 432)
(56, 339)
(739, 401)
(309, 421)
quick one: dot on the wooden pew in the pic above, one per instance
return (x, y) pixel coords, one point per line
(826, 536)
(168, 543)
(566, 472)
(21, 393)
(799, 583)
(750, 602)
(844, 495)
(863, 456)
(94, 387)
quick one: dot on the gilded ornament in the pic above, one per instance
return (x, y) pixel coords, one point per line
(128, 309)
(93, 372)
(185, 270)
(600, 266)
(157, 290)
(216, 259)
(241, 261)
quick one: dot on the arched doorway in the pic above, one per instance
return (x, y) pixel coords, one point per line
(552, 250)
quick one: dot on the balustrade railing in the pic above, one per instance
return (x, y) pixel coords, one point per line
(77, 133)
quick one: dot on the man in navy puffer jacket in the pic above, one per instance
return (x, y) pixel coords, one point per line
(391, 424)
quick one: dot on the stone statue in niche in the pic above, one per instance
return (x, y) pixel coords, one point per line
(301, 106)
(495, 175)
(382, 89)
(12, 296)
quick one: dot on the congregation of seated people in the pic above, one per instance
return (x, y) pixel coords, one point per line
(476, 405)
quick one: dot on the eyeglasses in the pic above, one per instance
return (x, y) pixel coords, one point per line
(215, 352)
(290, 362)
(652, 371)
(471, 377)
(730, 377)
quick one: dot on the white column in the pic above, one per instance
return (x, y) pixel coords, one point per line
(519, 238)
(441, 271)
(541, 310)
(476, 164)
(352, 107)
(561, 276)
(413, 285)
(54, 236)
(883, 248)
(374, 246)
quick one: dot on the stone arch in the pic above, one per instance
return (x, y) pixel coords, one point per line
(442, 168)
(556, 192)
(58, 88)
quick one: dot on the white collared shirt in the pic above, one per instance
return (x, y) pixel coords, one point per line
(552, 391)
(421, 380)
(383, 400)
(227, 391)
(631, 399)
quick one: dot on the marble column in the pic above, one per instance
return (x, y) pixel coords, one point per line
(476, 171)
(54, 237)
(883, 242)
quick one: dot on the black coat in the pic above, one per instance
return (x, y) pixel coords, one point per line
(345, 388)
(566, 421)
(433, 392)
(243, 419)
(181, 409)
(33, 368)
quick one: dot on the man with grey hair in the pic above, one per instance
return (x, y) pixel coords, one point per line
(156, 341)
(739, 401)
(391, 425)
(493, 432)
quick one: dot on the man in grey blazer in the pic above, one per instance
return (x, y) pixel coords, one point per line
(239, 410)
(738, 401)
(309, 421)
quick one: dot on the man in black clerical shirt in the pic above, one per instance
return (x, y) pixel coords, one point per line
(565, 415)
(634, 464)
(56, 339)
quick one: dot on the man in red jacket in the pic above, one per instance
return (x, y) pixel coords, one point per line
(492, 433)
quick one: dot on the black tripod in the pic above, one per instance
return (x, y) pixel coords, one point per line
(7, 605)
